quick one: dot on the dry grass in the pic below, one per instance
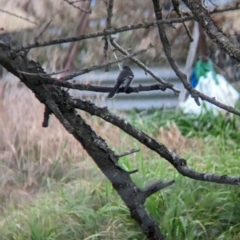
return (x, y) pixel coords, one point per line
(49, 187)
(174, 140)
(30, 154)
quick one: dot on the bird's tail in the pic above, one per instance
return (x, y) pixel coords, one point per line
(114, 90)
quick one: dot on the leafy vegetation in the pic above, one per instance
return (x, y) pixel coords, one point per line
(50, 189)
(190, 125)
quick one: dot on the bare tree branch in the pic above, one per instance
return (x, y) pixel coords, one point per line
(176, 4)
(128, 153)
(212, 29)
(108, 26)
(144, 67)
(96, 34)
(224, 8)
(43, 29)
(153, 188)
(177, 161)
(167, 49)
(91, 88)
(45, 74)
(59, 103)
(17, 16)
(77, 7)
(117, 30)
(87, 70)
(80, 29)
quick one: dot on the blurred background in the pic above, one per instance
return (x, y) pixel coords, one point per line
(51, 19)
(50, 188)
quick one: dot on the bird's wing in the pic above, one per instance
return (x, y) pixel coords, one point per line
(128, 82)
(114, 89)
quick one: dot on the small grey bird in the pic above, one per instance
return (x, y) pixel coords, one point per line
(125, 78)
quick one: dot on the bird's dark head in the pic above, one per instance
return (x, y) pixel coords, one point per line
(126, 67)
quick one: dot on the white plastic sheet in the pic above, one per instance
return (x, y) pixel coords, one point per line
(220, 89)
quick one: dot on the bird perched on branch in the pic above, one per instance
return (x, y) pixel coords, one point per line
(125, 78)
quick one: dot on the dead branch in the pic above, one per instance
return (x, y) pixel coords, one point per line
(212, 29)
(108, 26)
(87, 70)
(167, 49)
(17, 16)
(91, 88)
(77, 7)
(175, 160)
(60, 104)
(144, 67)
(118, 30)
(153, 188)
(176, 4)
(80, 29)
(128, 153)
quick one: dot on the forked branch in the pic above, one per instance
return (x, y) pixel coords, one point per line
(167, 49)
(120, 29)
(177, 161)
(59, 103)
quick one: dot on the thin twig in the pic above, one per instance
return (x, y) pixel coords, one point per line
(87, 70)
(118, 30)
(46, 25)
(42, 74)
(133, 171)
(154, 187)
(114, 53)
(17, 16)
(176, 4)
(189, 62)
(80, 1)
(128, 153)
(44, 28)
(79, 8)
(108, 26)
(103, 33)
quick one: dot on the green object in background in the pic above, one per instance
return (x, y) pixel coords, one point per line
(202, 68)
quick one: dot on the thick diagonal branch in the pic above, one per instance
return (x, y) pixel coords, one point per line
(108, 26)
(59, 103)
(212, 29)
(177, 161)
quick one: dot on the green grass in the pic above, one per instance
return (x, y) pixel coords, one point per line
(190, 125)
(89, 208)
